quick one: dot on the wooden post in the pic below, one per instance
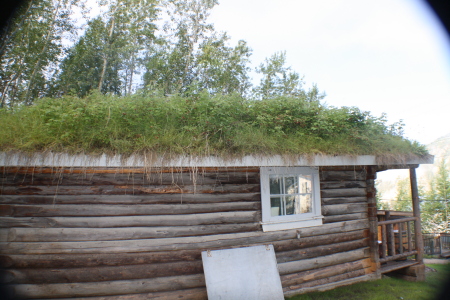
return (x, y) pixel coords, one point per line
(383, 241)
(408, 228)
(416, 212)
(373, 220)
(389, 235)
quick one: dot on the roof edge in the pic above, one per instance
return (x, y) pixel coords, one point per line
(51, 159)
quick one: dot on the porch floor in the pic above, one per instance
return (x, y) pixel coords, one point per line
(396, 265)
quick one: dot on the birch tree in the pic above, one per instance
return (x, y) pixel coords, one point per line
(110, 53)
(32, 48)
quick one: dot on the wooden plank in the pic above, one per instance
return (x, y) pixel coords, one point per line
(396, 265)
(343, 200)
(128, 233)
(323, 261)
(179, 243)
(127, 189)
(105, 273)
(354, 192)
(129, 199)
(339, 209)
(89, 210)
(187, 178)
(359, 174)
(346, 217)
(342, 184)
(132, 221)
(311, 275)
(322, 250)
(106, 288)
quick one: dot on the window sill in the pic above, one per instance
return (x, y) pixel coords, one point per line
(274, 226)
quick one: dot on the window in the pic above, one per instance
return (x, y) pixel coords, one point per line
(290, 197)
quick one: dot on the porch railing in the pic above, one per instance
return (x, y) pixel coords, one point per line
(396, 239)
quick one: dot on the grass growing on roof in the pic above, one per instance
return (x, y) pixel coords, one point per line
(201, 125)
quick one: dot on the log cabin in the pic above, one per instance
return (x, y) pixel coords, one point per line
(134, 228)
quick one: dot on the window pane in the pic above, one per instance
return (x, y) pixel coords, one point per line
(305, 183)
(275, 207)
(305, 203)
(275, 184)
(290, 185)
(290, 207)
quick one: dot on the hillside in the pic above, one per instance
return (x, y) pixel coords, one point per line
(387, 181)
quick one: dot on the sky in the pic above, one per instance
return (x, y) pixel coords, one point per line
(390, 56)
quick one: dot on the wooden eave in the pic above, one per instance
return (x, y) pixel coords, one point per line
(51, 159)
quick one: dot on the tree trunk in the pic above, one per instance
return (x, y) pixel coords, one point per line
(106, 54)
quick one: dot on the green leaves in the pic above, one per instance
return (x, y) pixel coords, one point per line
(279, 80)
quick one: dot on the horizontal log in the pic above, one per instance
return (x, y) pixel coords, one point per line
(324, 261)
(128, 233)
(396, 221)
(359, 174)
(343, 200)
(61, 261)
(330, 286)
(321, 240)
(90, 210)
(332, 193)
(116, 259)
(130, 199)
(331, 279)
(342, 184)
(187, 178)
(398, 256)
(127, 189)
(106, 288)
(322, 250)
(189, 294)
(179, 243)
(132, 221)
(340, 209)
(311, 275)
(105, 273)
(346, 217)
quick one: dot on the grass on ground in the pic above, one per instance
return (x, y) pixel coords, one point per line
(388, 288)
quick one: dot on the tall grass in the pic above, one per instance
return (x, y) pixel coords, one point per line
(201, 125)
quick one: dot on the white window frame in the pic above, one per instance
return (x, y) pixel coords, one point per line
(273, 223)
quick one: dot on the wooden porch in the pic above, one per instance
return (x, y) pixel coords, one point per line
(400, 242)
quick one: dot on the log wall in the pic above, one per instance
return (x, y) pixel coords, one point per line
(138, 233)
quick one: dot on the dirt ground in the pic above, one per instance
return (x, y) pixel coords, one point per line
(436, 261)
